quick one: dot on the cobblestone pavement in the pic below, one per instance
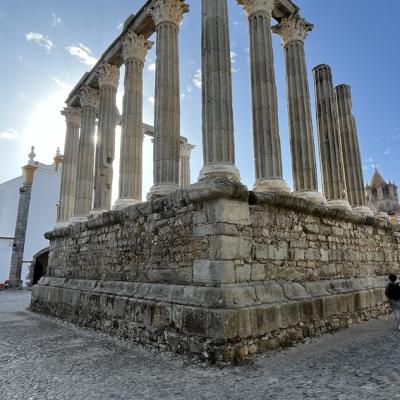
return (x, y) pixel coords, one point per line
(41, 358)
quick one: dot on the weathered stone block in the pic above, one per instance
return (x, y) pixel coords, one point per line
(229, 248)
(243, 272)
(257, 272)
(230, 211)
(289, 314)
(213, 272)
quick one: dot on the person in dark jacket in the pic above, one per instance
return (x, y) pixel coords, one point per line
(392, 292)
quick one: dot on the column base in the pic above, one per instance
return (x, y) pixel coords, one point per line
(161, 190)
(77, 220)
(364, 211)
(340, 204)
(96, 212)
(382, 215)
(271, 185)
(60, 225)
(311, 195)
(215, 169)
(120, 204)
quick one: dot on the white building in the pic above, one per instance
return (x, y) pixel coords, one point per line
(41, 218)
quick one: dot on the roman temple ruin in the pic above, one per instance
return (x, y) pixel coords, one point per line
(212, 268)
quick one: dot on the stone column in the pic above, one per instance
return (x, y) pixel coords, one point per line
(351, 152)
(134, 50)
(218, 136)
(108, 76)
(186, 150)
(293, 31)
(167, 15)
(330, 146)
(21, 223)
(267, 145)
(70, 165)
(89, 99)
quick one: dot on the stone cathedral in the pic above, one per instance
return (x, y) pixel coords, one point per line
(214, 268)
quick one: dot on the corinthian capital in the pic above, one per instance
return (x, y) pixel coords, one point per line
(108, 75)
(135, 47)
(257, 6)
(89, 97)
(186, 149)
(168, 11)
(72, 115)
(293, 28)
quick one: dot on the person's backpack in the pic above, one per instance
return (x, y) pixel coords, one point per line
(393, 291)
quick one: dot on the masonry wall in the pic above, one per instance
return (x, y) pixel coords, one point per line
(219, 272)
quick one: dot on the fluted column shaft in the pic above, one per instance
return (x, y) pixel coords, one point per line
(108, 76)
(218, 130)
(267, 145)
(89, 99)
(293, 32)
(130, 171)
(350, 147)
(70, 164)
(330, 146)
(185, 151)
(167, 15)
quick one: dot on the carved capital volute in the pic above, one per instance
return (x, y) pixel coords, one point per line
(257, 6)
(135, 47)
(89, 97)
(108, 75)
(293, 28)
(72, 115)
(168, 11)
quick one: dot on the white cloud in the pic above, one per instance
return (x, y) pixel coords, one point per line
(9, 134)
(40, 39)
(387, 151)
(83, 53)
(56, 20)
(151, 67)
(197, 80)
(233, 57)
(62, 84)
(151, 100)
(396, 137)
(120, 26)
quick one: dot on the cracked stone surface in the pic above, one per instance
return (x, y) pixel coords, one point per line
(42, 359)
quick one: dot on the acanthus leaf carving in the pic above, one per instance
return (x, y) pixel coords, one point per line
(135, 47)
(293, 28)
(89, 97)
(257, 6)
(108, 75)
(168, 11)
(72, 115)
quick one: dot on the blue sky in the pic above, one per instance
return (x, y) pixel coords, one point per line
(47, 45)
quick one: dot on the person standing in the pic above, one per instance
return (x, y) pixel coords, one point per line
(392, 292)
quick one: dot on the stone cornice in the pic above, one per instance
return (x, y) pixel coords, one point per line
(186, 149)
(257, 6)
(72, 115)
(168, 11)
(293, 28)
(135, 47)
(89, 97)
(108, 75)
